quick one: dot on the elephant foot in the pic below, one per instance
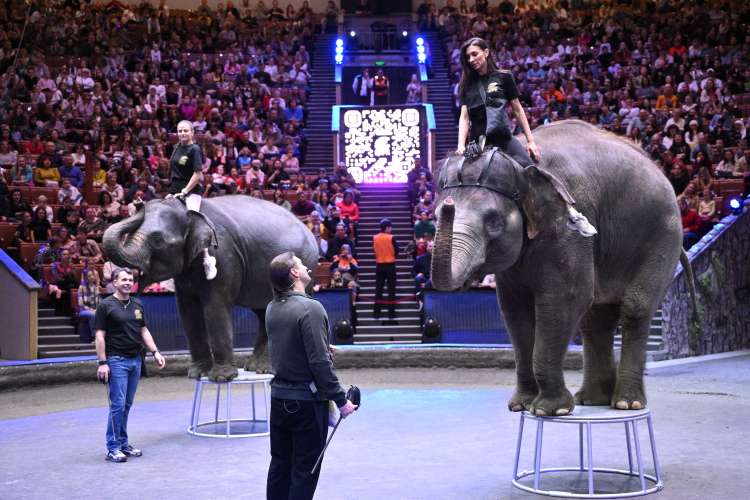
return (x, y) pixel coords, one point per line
(521, 399)
(629, 398)
(557, 406)
(594, 393)
(260, 364)
(199, 369)
(223, 373)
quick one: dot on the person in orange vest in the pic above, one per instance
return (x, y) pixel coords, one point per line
(386, 249)
(380, 86)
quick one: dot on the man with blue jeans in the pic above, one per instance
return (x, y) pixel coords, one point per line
(121, 332)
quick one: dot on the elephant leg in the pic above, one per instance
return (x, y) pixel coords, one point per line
(557, 319)
(599, 367)
(194, 324)
(260, 362)
(629, 392)
(218, 314)
(518, 314)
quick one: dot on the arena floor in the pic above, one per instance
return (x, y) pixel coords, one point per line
(421, 434)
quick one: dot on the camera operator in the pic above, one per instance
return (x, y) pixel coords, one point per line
(303, 384)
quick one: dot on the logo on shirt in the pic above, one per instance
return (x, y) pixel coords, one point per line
(138, 314)
(183, 160)
(492, 87)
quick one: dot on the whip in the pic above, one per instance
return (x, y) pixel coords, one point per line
(353, 395)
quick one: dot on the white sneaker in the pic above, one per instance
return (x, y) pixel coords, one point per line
(209, 264)
(578, 222)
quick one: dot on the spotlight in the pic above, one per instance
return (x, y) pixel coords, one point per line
(352, 34)
(420, 40)
(422, 58)
(339, 58)
(339, 43)
(420, 49)
(339, 49)
(432, 332)
(404, 33)
(736, 206)
(344, 329)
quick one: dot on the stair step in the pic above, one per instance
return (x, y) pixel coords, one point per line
(50, 340)
(44, 313)
(54, 321)
(66, 354)
(72, 347)
(44, 331)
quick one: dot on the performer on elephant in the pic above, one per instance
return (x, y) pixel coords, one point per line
(485, 91)
(186, 167)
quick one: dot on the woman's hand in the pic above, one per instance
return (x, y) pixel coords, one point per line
(533, 152)
(460, 150)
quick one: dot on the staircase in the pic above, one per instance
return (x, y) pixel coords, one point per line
(323, 96)
(439, 95)
(655, 346)
(57, 336)
(385, 201)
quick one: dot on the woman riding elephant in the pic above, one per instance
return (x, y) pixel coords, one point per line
(484, 91)
(186, 165)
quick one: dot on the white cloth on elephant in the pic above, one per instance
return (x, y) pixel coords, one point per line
(192, 201)
(578, 222)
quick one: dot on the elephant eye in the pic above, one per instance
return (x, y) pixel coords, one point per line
(494, 222)
(157, 241)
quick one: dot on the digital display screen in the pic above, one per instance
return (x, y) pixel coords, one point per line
(379, 144)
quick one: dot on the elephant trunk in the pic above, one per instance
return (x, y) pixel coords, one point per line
(133, 250)
(457, 253)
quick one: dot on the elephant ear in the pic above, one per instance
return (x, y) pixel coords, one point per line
(198, 236)
(544, 203)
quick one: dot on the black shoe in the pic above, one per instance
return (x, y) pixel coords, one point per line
(116, 456)
(131, 452)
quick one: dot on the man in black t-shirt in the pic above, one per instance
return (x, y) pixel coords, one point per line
(121, 332)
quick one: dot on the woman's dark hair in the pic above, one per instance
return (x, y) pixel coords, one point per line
(102, 195)
(14, 191)
(349, 193)
(39, 209)
(468, 74)
(279, 272)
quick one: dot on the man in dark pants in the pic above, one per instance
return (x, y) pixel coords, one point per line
(386, 250)
(303, 384)
(121, 332)
(421, 270)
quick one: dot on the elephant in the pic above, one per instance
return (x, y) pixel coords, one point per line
(165, 240)
(496, 217)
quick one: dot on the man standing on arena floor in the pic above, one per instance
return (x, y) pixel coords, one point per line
(386, 250)
(121, 332)
(304, 381)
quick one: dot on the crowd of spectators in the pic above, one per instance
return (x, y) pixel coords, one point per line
(108, 84)
(672, 77)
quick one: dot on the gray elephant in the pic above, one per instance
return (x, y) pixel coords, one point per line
(166, 241)
(496, 217)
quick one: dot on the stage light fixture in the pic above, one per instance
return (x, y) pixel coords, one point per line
(431, 328)
(344, 329)
(339, 58)
(420, 41)
(420, 49)
(422, 58)
(339, 49)
(352, 33)
(736, 206)
(339, 43)
(404, 33)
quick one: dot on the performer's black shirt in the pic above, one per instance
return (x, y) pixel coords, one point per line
(122, 326)
(504, 88)
(185, 161)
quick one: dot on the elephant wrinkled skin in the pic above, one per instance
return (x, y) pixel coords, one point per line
(166, 241)
(551, 280)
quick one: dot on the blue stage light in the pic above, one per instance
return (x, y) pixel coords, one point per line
(339, 58)
(420, 41)
(352, 33)
(420, 49)
(339, 43)
(404, 33)
(422, 58)
(736, 206)
(339, 50)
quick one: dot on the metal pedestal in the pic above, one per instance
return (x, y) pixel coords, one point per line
(243, 378)
(585, 417)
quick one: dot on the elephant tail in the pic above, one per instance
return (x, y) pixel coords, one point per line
(687, 268)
